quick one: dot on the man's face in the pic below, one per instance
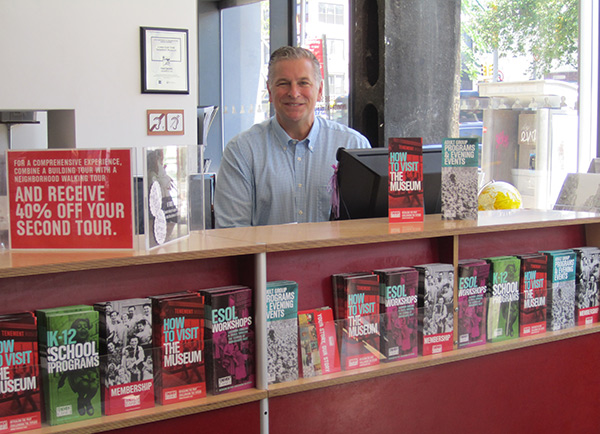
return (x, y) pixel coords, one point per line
(294, 91)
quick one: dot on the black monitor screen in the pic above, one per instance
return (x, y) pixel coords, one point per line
(362, 180)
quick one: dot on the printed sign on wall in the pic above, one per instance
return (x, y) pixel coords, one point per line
(77, 199)
(165, 122)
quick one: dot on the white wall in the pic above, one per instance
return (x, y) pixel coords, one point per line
(84, 55)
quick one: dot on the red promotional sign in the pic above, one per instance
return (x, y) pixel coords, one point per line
(70, 199)
(316, 46)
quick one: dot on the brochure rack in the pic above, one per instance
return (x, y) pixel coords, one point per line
(479, 389)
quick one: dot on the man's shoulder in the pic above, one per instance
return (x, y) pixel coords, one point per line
(342, 131)
(249, 141)
(336, 126)
(257, 130)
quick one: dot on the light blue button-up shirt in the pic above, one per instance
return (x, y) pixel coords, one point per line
(268, 178)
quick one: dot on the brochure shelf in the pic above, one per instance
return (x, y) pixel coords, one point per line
(305, 384)
(159, 413)
(308, 254)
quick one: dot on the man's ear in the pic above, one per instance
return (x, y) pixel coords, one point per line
(320, 95)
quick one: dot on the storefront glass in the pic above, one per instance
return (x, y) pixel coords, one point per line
(524, 91)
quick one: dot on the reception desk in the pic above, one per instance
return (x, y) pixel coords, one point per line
(548, 383)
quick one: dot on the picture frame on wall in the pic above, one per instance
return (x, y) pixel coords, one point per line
(165, 60)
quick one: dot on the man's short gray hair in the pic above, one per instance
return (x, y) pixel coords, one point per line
(293, 53)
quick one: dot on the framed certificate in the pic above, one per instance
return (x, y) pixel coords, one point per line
(164, 60)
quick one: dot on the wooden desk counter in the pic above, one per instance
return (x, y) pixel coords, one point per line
(348, 232)
(309, 253)
(249, 240)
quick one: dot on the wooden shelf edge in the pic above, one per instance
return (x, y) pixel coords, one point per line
(158, 413)
(430, 229)
(421, 362)
(122, 261)
(251, 240)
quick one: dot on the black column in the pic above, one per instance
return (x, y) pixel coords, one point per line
(405, 66)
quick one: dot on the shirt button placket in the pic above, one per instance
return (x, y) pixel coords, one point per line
(300, 193)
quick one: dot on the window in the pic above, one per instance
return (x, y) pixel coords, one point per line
(335, 50)
(245, 45)
(330, 45)
(331, 13)
(553, 131)
(336, 85)
(523, 100)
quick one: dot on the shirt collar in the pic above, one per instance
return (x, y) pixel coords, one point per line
(283, 138)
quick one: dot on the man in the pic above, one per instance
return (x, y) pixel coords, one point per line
(279, 171)
(129, 321)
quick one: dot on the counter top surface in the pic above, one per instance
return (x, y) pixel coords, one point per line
(337, 233)
(251, 240)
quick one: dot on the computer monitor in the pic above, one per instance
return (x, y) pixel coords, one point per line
(362, 181)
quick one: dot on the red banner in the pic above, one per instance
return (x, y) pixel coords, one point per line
(70, 199)
(316, 46)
